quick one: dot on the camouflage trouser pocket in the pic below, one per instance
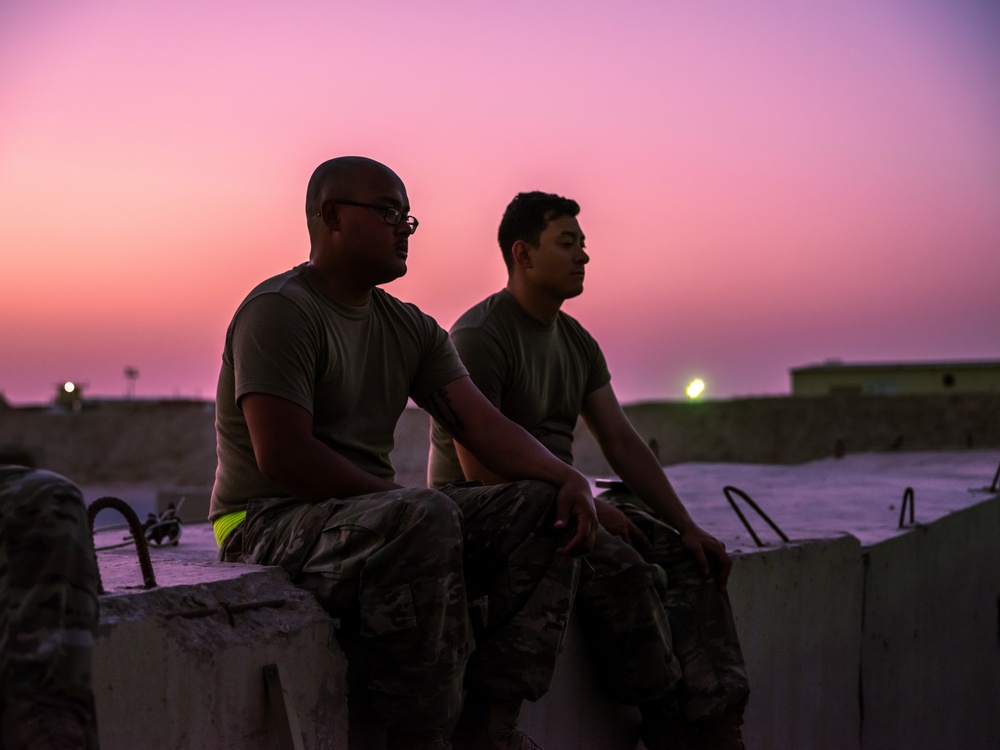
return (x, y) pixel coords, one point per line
(342, 550)
(388, 609)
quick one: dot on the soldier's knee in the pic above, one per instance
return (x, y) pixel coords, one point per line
(626, 571)
(539, 497)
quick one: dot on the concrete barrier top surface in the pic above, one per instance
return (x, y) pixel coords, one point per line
(190, 562)
(860, 495)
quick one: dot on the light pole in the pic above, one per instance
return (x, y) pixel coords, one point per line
(131, 375)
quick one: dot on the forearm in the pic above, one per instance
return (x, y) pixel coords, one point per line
(503, 450)
(290, 455)
(507, 450)
(473, 469)
(520, 456)
(314, 472)
(635, 464)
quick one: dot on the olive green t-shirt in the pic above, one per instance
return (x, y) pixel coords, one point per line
(352, 368)
(536, 374)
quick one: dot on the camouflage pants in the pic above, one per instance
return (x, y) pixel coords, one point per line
(399, 568)
(657, 626)
(48, 613)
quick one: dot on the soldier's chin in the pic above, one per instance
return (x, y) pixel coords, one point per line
(395, 273)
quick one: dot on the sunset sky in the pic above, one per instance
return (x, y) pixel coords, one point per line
(763, 184)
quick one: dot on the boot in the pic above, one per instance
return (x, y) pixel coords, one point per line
(491, 725)
(431, 739)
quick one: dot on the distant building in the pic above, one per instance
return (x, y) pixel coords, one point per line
(835, 378)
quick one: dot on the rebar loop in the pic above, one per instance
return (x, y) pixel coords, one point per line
(728, 491)
(907, 501)
(159, 530)
(141, 547)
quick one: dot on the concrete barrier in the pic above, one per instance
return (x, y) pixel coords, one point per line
(797, 608)
(930, 659)
(174, 670)
(246, 661)
(896, 645)
(849, 646)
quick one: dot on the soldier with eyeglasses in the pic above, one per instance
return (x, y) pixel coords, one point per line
(318, 365)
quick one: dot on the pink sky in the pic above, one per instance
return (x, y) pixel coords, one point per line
(763, 185)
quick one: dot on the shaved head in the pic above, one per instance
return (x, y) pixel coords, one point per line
(337, 177)
(352, 245)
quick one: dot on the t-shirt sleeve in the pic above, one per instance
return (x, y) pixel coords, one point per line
(485, 361)
(599, 375)
(439, 365)
(274, 351)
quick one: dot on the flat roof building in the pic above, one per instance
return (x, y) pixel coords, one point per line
(835, 378)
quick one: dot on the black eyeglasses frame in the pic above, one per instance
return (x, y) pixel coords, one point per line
(390, 214)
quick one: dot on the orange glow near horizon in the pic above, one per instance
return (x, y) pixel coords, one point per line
(814, 182)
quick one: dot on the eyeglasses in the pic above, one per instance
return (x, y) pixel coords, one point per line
(392, 216)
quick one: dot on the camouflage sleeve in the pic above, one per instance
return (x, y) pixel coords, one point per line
(48, 612)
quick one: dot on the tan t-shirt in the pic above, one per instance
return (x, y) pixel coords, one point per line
(535, 373)
(352, 368)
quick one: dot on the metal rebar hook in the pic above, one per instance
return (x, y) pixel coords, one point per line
(141, 547)
(728, 491)
(993, 487)
(907, 501)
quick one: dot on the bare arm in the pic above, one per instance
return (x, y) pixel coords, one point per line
(504, 449)
(289, 455)
(473, 468)
(631, 459)
(608, 516)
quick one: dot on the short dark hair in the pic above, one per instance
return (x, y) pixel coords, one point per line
(526, 217)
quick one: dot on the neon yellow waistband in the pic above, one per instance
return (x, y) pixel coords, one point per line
(224, 525)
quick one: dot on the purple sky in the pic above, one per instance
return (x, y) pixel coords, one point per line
(763, 185)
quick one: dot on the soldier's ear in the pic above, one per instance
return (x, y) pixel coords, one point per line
(521, 253)
(328, 213)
